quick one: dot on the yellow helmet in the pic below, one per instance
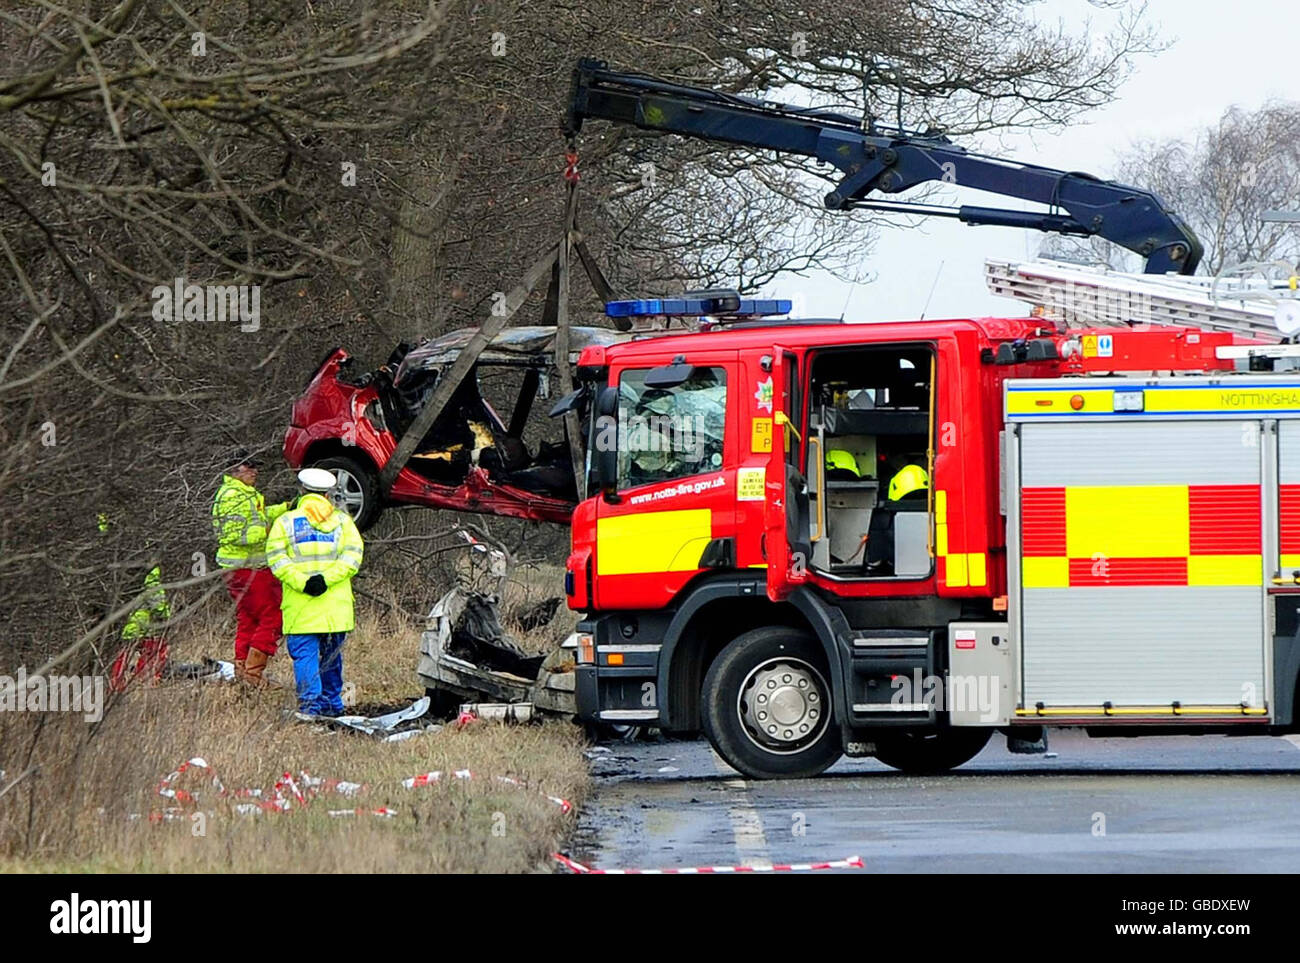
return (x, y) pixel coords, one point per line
(910, 478)
(839, 458)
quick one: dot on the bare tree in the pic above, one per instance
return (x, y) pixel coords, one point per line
(1224, 178)
(377, 170)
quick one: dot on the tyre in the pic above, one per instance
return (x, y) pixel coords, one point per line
(358, 490)
(931, 751)
(767, 707)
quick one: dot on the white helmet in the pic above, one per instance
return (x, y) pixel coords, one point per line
(317, 480)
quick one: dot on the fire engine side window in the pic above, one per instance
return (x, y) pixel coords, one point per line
(667, 433)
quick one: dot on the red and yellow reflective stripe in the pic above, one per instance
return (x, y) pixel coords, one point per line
(1141, 535)
(956, 569)
(1288, 517)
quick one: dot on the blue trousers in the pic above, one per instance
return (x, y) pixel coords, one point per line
(318, 671)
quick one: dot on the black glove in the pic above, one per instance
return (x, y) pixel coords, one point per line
(315, 585)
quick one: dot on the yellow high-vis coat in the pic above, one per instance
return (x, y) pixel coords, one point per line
(241, 516)
(315, 539)
(154, 610)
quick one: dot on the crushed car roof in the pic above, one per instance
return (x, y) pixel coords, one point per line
(526, 344)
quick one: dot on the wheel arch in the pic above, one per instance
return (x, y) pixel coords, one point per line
(334, 448)
(713, 614)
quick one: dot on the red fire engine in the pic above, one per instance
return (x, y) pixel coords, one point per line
(1118, 551)
(1094, 525)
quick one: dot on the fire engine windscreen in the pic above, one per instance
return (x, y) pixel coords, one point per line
(665, 433)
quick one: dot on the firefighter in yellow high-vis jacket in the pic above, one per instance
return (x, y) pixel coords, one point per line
(314, 550)
(240, 518)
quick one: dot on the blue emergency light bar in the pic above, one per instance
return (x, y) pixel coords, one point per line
(695, 307)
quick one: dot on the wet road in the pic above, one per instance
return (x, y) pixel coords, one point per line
(1176, 804)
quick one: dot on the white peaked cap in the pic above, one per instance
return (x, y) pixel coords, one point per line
(317, 479)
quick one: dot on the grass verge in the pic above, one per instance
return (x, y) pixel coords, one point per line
(73, 813)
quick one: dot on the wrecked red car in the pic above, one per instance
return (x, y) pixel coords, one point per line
(471, 460)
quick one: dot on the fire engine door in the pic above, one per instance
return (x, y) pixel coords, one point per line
(787, 511)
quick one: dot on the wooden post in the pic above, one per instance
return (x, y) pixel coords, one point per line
(461, 367)
(572, 426)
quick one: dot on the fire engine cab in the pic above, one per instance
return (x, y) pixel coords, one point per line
(1101, 527)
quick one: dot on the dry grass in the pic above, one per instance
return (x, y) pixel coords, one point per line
(74, 814)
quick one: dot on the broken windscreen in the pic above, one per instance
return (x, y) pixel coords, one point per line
(667, 433)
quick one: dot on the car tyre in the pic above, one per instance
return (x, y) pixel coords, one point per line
(358, 491)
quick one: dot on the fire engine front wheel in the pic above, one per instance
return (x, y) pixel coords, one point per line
(930, 752)
(767, 707)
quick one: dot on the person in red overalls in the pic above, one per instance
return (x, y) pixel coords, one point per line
(240, 517)
(144, 649)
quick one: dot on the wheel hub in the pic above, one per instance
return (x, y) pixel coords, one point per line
(782, 704)
(348, 495)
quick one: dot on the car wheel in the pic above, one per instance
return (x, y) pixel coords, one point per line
(767, 707)
(928, 752)
(358, 488)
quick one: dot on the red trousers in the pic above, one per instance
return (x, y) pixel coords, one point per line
(143, 658)
(257, 610)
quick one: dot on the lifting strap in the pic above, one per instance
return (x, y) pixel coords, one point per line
(556, 262)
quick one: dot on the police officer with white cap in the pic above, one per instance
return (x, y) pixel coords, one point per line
(314, 550)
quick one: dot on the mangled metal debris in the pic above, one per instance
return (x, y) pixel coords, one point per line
(396, 726)
(466, 653)
(499, 711)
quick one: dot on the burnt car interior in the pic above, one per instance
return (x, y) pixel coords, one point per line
(469, 431)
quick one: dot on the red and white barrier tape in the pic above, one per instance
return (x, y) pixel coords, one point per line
(429, 778)
(287, 791)
(180, 795)
(284, 793)
(381, 811)
(852, 862)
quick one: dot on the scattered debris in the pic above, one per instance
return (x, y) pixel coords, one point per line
(381, 811)
(429, 778)
(208, 670)
(289, 793)
(396, 726)
(478, 638)
(499, 711)
(467, 654)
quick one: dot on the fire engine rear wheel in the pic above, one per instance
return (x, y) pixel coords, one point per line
(767, 706)
(358, 490)
(925, 753)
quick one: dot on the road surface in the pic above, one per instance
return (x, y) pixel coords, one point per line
(1184, 804)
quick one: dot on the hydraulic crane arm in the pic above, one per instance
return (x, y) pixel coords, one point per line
(889, 161)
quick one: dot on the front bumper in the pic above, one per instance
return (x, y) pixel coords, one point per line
(621, 685)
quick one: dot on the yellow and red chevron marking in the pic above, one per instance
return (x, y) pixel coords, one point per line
(1288, 512)
(1143, 535)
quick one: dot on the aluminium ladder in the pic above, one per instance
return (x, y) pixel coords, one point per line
(1260, 309)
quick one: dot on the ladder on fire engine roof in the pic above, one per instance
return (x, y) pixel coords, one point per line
(1078, 295)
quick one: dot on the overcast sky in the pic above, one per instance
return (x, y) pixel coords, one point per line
(1240, 53)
